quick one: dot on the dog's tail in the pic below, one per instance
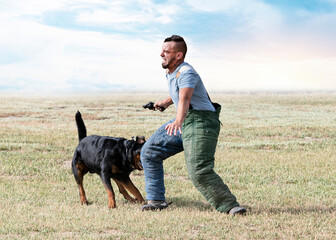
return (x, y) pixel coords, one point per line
(80, 126)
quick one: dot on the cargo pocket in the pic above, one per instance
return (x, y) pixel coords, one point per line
(212, 126)
(200, 126)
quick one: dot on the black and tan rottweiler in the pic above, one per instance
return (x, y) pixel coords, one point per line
(109, 157)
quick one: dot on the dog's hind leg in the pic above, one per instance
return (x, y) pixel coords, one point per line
(79, 170)
(123, 191)
(108, 187)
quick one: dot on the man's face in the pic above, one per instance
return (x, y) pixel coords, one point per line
(168, 54)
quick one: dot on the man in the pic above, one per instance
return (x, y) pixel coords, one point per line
(194, 130)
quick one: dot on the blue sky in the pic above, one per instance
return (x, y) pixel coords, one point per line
(114, 45)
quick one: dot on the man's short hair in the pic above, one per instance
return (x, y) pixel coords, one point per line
(180, 43)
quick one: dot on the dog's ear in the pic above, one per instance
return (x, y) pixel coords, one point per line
(140, 139)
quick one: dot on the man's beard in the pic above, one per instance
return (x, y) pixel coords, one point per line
(165, 66)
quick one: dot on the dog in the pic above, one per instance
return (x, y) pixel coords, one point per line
(109, 157)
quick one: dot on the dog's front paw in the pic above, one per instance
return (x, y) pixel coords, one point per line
(84, 202)
(140, 200)
(111, 205)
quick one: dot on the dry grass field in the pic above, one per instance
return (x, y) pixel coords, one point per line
(276, 152)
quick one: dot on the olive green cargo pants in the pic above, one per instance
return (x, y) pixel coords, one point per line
(200, 132)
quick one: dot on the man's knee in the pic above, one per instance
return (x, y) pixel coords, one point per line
(151, 153)
(143, 152)
(201, 177)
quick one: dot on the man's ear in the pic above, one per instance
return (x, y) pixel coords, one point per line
(179, 55)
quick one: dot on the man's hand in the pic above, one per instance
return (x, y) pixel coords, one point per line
(173, 128)
(182, 110)
(151, 106)
(162, 105)
(159, 106)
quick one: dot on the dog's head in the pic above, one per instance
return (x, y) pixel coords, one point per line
(139, 139)
(135, 152)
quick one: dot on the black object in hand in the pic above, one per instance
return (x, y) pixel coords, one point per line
(150, 106)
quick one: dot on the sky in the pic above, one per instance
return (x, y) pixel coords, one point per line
(65, 46)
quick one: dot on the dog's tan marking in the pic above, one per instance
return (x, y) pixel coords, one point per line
(137, 162)
(82, 170)
(133, 190)
(115, 169)
(123, 191)
(111, 197)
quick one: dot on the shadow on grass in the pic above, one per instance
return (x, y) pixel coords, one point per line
(204, 206)
(180, 202)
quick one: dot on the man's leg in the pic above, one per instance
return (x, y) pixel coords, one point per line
(200, 134)
(156, 149)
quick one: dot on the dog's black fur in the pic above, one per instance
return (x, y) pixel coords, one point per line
(109, 157)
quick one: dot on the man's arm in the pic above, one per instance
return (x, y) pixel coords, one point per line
(164, 103)
(182, 110)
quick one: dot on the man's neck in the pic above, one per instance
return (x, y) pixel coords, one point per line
(176, 65)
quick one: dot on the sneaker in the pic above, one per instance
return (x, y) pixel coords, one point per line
(237, 210)
(155, 205)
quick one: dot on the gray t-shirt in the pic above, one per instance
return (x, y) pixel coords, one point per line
(185, 76)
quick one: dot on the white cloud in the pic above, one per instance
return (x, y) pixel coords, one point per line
(265, 50)
(252, 22)
(51, 58)
(238, 75)
(264, 32)
(270, 51)
(41, 57)
(215, 5)
(122, 12)
(18, 8)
